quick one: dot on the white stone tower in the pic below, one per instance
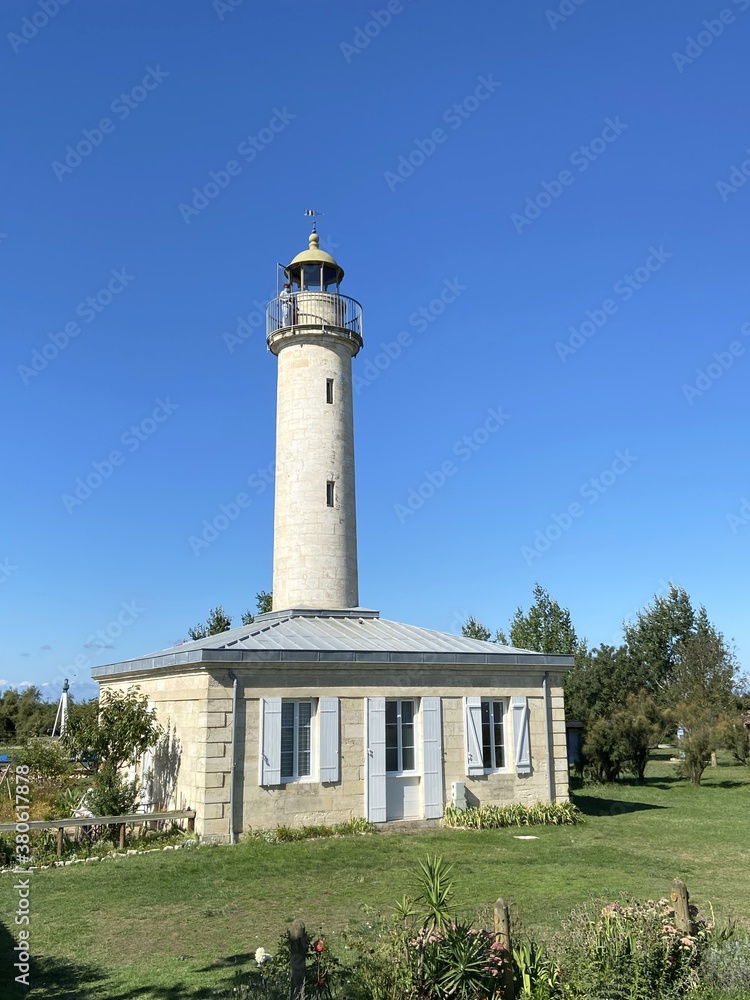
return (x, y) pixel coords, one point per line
(315, 332)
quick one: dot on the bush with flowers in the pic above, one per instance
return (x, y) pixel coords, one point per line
(630, 950)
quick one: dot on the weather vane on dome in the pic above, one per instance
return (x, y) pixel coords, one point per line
(314, 216)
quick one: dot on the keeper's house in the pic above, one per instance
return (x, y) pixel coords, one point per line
(321, 711)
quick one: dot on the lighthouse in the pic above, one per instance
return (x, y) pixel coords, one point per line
(320, 710)
(315, 332)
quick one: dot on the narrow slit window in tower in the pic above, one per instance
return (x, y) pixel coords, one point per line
(329, 493)
(329, 390)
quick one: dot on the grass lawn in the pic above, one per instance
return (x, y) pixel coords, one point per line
(178, 924)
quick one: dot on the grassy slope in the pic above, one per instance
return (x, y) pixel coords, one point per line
(159, 920)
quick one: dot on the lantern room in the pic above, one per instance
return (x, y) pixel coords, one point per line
(314, 270)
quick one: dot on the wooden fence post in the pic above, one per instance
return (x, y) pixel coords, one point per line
(680, 897)
(502, 936)
(298, 946)
(60, 835)
(122, 836)
(191, 824)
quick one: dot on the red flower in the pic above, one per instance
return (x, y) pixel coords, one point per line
(319, 945)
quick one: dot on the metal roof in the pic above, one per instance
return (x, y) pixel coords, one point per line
(351, 635)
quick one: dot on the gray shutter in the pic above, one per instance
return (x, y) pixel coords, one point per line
(432, 758)
(328, 721)
(269, 769)
(519, 708)
(473, 726)
(375, 763)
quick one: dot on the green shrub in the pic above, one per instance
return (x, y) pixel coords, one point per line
(725, 969)
(629, 951)
(535, 973)
(291, 834)
(496, 817)
(45, 759)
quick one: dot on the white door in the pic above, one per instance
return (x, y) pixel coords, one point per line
(402, 797)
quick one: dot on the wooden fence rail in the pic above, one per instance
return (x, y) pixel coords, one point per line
(71, 822)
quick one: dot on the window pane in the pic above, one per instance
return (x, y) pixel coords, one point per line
(391, 736)
(287, 740)
(498, 732)
(486, 735)
(311, 274)
(303, 740)
(407, 735)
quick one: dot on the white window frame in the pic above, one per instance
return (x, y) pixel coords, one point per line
(313, 775)
(400, 773)
(487, 700)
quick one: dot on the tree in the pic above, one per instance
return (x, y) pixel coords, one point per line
(123, 730)
(702, 690)
(734, 736)
(655, 635)
(264, 600)
(23, 714)
(218, 621)
(639, 724)
(599, 682)
(472, 629)
(545, 628)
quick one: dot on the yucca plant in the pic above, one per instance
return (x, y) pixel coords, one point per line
(460, 962)
(435, 892)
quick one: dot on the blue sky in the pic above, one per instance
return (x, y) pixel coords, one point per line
(537, 208)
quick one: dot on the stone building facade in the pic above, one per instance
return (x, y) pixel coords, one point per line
(223, 701)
